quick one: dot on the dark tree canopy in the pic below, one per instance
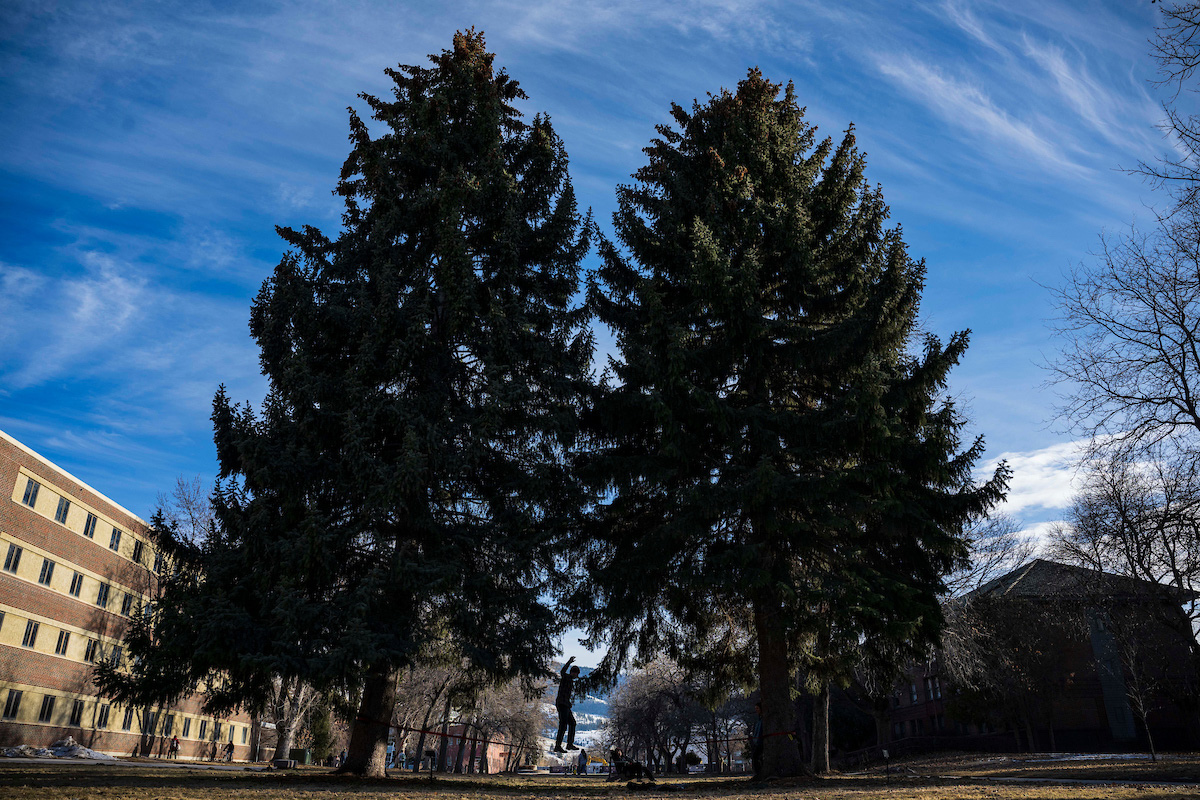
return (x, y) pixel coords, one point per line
(770, 441)
(406, 477)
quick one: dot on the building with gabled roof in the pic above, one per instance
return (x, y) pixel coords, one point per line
(1080, 658)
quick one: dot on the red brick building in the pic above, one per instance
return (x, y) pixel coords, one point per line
(75, 566)
(1096, 638)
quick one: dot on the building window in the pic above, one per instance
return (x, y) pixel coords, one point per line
(898, 730)
(1, 619)
(244, 731)
(76, 584)
(102, 717)
(114, 541)
(126, 604)
(89, 527)
(912, 693)
(937, 689)
(92, 651)
(47, 708)
(151, 721)
(169, 725)
(216, 731)
(64, 639)
(127, 723)
(47, 572)
(102, 596)
(60, 514)
(31, 491)
(76, 714)
(203, 727)
(31, 630)
(116, 656)
(137, 551)
(12, 706)
(158, 562)
(13, 559)
(187, 726)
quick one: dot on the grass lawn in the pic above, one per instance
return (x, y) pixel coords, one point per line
(44, 780)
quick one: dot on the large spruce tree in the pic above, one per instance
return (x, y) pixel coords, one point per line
(776, 445)
(406, 476)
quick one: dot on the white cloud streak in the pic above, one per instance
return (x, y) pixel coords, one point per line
(963, 104)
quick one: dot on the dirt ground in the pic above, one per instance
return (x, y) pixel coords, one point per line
(945, 777)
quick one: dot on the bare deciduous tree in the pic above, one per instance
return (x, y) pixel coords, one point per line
(996, 546)
(1140, 519)
(1130, 332)
(1177, 48)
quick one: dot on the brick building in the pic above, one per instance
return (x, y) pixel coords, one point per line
(76, 566)
(1096, 643)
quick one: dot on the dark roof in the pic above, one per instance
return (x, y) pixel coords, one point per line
(1042, 578)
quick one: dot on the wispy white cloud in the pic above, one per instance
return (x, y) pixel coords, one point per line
(72, 320)
(964, 104)
(1121, 117)
(962, 16)
(570, 24)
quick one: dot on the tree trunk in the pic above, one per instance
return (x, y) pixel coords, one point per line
(285, 740)
(883, 732)
(780, 756)
(474, 750)
(420, 754)
(820, 746)
(367, 753)
(462, 751)
(291, 703)
(444, 743)
(1029, 732)
(1145, 718)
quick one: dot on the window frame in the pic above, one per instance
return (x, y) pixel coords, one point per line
(32, 488)
(12, 560)
(12, 704)
(47, 572)
(46, 712)
(31, 634)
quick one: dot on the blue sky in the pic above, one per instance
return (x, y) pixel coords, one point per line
(150, 148)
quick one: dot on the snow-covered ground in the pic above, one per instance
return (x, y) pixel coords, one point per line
(64, 748)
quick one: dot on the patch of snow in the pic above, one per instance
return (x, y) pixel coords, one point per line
(64, 748)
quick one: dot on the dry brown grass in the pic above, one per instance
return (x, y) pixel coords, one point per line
(46, 781)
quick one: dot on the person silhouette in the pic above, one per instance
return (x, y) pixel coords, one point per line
(562, 702)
